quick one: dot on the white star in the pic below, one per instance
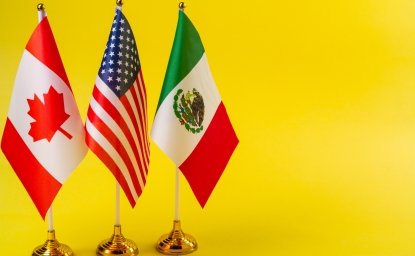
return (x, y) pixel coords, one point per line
(126, 72)
(118, 79)
(119, 62)
(112, 45)
(126, 63)
(111, 54)
(103, 71)
(122, 21)
(119, 71)
(114, 29)
(121, 37)
(105, 55)
(118, 88)
(131, 74)
(112, 37)
(128, 31)
(121, 46)
(104, 63)
(127, 55)
(122, 29)
(111, 70)
(109, 78)
(125, 80)
(128, 47)
(119, 55)
(128, 39)
(111, 62)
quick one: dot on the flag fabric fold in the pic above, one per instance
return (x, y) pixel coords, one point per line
(116, 124)
(43, 139)
(191, 124)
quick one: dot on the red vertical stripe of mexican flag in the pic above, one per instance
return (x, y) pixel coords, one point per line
(208, 160)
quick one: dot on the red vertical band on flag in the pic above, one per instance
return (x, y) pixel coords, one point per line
(43, 46)
(208, 160)
(41, 186)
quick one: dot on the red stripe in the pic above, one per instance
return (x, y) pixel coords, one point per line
(140, 111)
(206, 163)
(117, 144)
(143, 94)
(142, 91)
(143, 85)
(110, 164)
(43, 46)
(41, 186)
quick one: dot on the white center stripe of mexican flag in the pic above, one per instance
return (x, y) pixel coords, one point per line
(171, 141)
(28, 83)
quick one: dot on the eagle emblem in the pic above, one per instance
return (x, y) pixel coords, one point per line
(189, 108)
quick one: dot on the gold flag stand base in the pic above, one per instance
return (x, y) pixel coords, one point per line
(177, 242)
(52, 247)
(117, 245)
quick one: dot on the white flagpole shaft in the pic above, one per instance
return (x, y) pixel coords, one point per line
(117, 204)
(50, 219)
(40, 15)
(177, 203)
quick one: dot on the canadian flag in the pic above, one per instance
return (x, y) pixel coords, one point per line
(43, 138)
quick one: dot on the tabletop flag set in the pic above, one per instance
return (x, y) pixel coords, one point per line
(44, 126)
(191, 126)
(116, 125)
(44, 139)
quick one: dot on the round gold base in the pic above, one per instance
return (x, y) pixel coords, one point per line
(177, 242)
(52, 247)
(117, 245)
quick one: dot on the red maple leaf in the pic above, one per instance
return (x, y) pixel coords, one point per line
(49, 116)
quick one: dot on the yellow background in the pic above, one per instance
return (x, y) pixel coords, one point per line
(321, 95)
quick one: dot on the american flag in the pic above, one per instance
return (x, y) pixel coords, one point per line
(116, 125)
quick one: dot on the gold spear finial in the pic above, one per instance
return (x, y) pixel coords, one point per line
(119, 3)
(182, 6)
(40, 7)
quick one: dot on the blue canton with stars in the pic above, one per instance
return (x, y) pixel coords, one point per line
(120, 64)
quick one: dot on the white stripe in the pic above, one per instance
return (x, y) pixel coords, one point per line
(115, 128)
(61, 155)
(167, 132)
(106, 145)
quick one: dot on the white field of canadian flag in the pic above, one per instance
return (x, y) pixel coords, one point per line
(44, 138)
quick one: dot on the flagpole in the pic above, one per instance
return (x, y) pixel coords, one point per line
(50, 219)
(117, 244)
(51, 246)
(177, 242)
(117, 203)
(177, 196)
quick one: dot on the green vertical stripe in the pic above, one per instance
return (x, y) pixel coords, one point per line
(186, 52)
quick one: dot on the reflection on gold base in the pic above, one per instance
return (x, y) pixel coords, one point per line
(117, 245)
(52, 247)
(177, 242)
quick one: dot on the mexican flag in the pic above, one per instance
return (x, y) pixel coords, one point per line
(191, 124)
